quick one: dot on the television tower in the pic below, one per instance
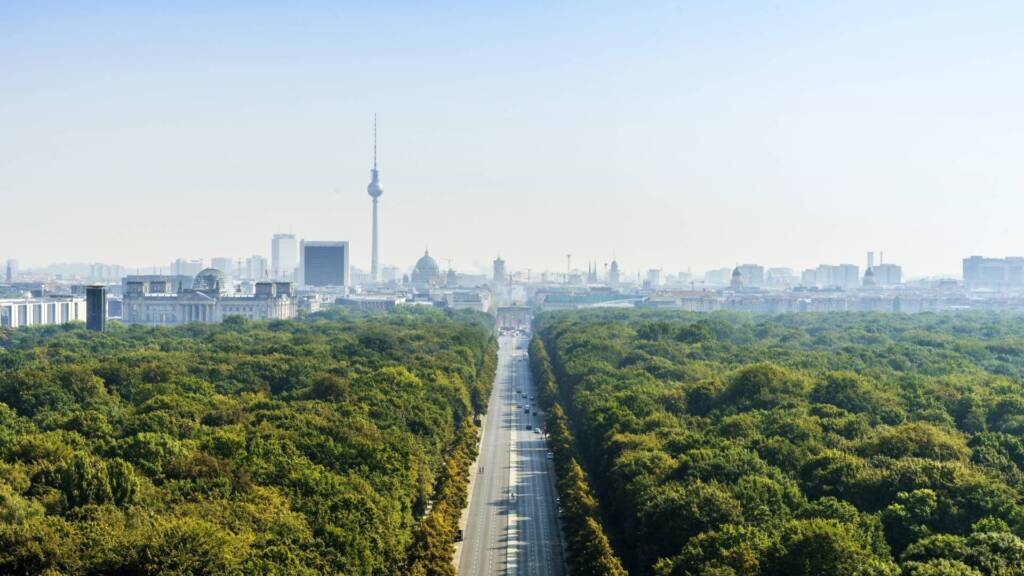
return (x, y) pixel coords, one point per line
(375, 191)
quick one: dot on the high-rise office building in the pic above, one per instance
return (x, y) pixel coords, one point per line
(284, 256)
(256, 267)
(224, 264)
(887, 274)
(845, 276)
(96, 308)
(718, 277)
(994, 273)
(182, 267)
(653, 278)
(375, 191)
(324, 263)
(781, 277)
(499, 270)
(809, 277)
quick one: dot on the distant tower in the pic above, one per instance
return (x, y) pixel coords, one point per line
(10, 273)
(499, 270)
(96, 308)
(375, 191)
(613, 273)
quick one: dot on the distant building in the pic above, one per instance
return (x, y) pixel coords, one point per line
(20, 312)
(284, 256)
(478, 300)
(718, 277)
(96, 308)
(781, 278)
(683, 278)
(809, 277)
(147, 300)
(499, 270)
(736, 281)
(426, 272)
(613, 274)
(372, 302)
(869, 278)
(324, 264)
(182, 267)
(887, 274)
(653, 278)
(224, 264)
(389, 274)
(753, 274)
(99, 272)
(845, 276)
(256, 267)
(156, 283)
(993, 273)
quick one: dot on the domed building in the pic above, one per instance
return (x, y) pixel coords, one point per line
(869, 278)
(210, 281)
(154, 299)
(737, 278)
(426, 272)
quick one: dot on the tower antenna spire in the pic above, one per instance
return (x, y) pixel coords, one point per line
(374, 140)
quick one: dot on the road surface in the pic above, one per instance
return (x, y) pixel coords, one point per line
(506, 534)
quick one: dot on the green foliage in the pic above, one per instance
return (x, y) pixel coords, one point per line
(729, 444)
(590, 552)
(293, 448)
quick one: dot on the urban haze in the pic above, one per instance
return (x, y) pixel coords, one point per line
(475, 289)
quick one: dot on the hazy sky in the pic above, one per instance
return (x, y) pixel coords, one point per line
(674, 135)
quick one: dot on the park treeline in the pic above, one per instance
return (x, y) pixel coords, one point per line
(334, 444)
(797, 445)
(590, 553)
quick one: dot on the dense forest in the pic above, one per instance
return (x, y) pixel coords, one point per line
(813, 444)
(334, 444)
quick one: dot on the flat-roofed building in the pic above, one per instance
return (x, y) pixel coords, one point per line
(324, 263)
(20, 312)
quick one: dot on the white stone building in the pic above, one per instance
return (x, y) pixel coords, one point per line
(145, 302)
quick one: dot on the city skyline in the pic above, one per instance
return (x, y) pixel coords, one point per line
(681, 137)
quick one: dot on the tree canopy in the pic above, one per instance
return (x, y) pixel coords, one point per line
(800, 444)
(314, 446)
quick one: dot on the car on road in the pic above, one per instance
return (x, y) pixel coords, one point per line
(459, 535)
(536, 429)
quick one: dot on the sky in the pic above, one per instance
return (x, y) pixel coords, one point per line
(672, 135)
